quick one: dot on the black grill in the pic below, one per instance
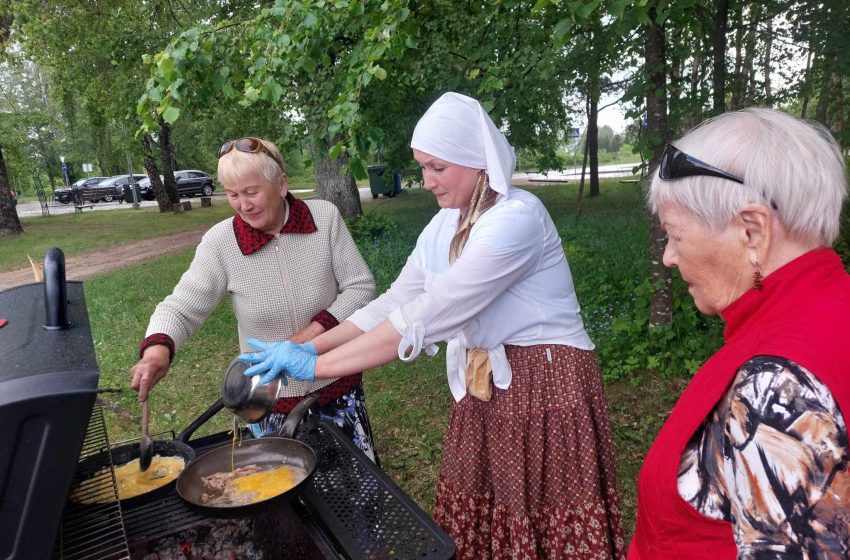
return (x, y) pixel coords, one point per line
(350, 509)
(53, 443)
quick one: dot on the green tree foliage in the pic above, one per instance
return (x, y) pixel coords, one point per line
(309, 61)
(609, 140)
(354, 76)
(94, 54)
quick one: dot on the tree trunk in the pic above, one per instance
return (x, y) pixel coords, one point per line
(677, 72)
(718, 47)
(168, 196)
(51, 176)
(336, 185)
(581, 183)
(765, 63)
(661, 307)
(807, 85)
(837, 124)
(824, 94)
(696, 67)
(736, 102)
(592, 139)
(9, 222)
(153, 174)
(748, 72)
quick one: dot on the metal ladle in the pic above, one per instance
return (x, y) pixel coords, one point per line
(146, 445)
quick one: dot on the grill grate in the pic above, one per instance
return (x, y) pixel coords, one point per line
(369, 515)
(91, 530)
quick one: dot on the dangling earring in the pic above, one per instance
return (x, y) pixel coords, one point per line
(757, 278)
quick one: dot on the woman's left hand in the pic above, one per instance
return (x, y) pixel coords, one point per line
(297, 361)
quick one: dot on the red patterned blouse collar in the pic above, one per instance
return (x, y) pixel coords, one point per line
(251, 240)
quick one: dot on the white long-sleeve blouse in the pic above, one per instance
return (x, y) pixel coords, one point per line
(511, 285)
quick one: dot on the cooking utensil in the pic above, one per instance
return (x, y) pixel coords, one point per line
(244, 396)
(146, 445)
(267, 452)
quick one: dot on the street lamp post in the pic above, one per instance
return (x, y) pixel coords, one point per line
(132, 182)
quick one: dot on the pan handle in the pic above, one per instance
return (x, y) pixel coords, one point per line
(214, 409)
(295, 416)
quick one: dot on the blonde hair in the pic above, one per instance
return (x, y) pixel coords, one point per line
(483, 198)
(235, 164)
(793, 163)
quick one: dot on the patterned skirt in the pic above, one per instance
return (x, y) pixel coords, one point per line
(348, 413)
(530, 474)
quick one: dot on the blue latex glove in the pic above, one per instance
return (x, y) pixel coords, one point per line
(296, 361)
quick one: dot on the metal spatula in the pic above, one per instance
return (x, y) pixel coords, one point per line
(146, 445)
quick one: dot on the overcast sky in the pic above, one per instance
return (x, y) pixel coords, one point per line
(613, 116)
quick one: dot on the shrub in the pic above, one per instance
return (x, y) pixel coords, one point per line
(370, 227)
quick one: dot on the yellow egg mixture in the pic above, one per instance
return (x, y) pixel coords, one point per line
(266, 484)
(133, 482)
(130, 480)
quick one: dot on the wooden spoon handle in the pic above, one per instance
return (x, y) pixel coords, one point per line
(145, 418)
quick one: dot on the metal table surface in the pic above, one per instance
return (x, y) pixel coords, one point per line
(368, 514)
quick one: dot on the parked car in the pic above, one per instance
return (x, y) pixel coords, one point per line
(70, 194)
(191, 182)
(112, 188)
(146, 189)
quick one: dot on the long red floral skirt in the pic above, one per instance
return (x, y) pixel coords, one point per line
(530, 474)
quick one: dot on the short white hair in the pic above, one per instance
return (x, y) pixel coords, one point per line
(792, 163)
(233, 165)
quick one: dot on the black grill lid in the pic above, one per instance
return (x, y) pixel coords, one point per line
(27, 348)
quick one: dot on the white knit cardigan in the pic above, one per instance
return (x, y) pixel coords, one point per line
(275, 291)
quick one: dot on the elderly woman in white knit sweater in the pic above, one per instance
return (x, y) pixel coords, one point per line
(292, 271)
(528, 468)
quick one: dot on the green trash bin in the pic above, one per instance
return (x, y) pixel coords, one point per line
(377, 184)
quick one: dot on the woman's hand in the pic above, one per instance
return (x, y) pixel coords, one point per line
(149, 370)
(297, 361)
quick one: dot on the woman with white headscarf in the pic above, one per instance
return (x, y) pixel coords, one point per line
(528, 466)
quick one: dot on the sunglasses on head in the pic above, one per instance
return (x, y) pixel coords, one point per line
(249, 145)
(676, 164)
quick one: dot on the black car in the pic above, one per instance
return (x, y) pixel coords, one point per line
(112, 188)
(191, 182)
(146, 189)
(73, 193)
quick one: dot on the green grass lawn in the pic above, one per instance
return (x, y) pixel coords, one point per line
(408, 403)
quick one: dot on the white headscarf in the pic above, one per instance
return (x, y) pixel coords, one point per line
(458, 130)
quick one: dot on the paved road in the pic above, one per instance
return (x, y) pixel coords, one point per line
(55, 208)
(27, 209)
(565, 176)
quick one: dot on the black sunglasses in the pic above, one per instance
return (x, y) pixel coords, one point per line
(249, 145)
(676, 164)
